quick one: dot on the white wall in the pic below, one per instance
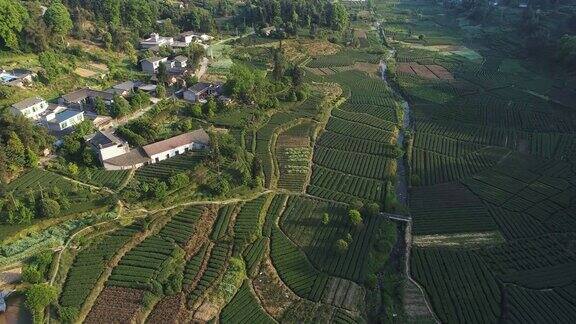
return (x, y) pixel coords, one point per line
(112, 151)
(32, 112)
(168, 154)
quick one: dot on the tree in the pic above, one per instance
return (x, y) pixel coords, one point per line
(13, 17)
(162, 73)
(31, 158)
(341, 246)
(297, 76)
(100, 107)
(73, 168)
(160, 91)
(139, 100)
(325, 218)
(278, 58)
(357, 204)
(354, 217)
(49, 208)
(338, 16)
(68, 314)
(38, 297)
(160, 190)
(178, 181)
(209, 108)
(52, 65)
(373, 209)
(31, 274)
(58, 18)
(256, 167)
(120, 107)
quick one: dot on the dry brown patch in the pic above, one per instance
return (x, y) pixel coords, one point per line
(344, 293)
(366, 67)
(414, 301)
(431, 71)
(116, 305)
(85, 73)
(274, 296)
(440, 72)
(202, 230)
(168, 310)
(11, 276)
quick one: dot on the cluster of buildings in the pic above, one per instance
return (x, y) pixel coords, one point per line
(116, 154)
(155, 41)
(72, 108)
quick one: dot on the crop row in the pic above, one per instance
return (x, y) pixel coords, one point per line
(194, 265)
(182, 225)
(294, 268)
(460, 286)
(106, 178)
(433, 168)
(344, 58)
(89, 265)
(253, 254)
(328, 184)
(166, 168)
(448, 208)
(541, 306)
(365, 119)
(36, 179)
(141, 266)
(353, 163)
(273, 214)
(302, 221)
(361, 131)
(215, 267)
(387, 112)
(248, 222)
(444, 145)
(220, 228)
(245, 308)
(343, 142)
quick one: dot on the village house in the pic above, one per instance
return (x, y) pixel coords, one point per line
(64, 119)
(201, 91)
(85, 98)
(115, 155)
(156, 40)
(107, 145)
(32, 108)
(17, 77)
(151, 65)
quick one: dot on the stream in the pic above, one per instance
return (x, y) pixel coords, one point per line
(402, 182)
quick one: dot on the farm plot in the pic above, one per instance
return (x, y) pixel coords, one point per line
(104, 178)
(515, 225)
(116, 305)
(448, 208)
(214, 268)
(366, 119)
(360, 131)
(540, 306)
(273, 213)
(388, 113)
(429, 71)
(293, 152)
(245, 308)
(168, 309)
(458, 283)
(342, 142)
(253, 254)
(334, 185)
(344, 58)
(37, 179)
(302, 222)
(294, 268)
(354, 163)
(433, 168)
(182, 225)
(89, 265)
(166, 168)
(249, 222)
(220, 229)
(194, 265)
(140, 267)
(538, 263)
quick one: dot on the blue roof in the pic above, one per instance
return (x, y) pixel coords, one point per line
(66, 114)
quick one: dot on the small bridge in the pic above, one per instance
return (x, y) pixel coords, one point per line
(401, 218)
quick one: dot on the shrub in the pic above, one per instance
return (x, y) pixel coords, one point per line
(49, 208)
(341, 246)
(354, 216)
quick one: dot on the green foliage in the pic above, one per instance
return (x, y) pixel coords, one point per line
(52, 64)
(13, 17)
(161, 91)
(58, 18)
(49, 208)
(39, 296)
(68, 314)
(31, 274)
(354, 217)
(325, 218)
(120, 108)
(341, 246)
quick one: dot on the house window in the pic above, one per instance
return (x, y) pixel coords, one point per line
(168, 155)
(157, 159)
(177, 152)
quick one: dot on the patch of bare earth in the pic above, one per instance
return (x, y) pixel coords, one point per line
(9, 277)
(168, 309)
(344, 293)
(116, 305)
(202, 230)
(431, 71)
(274, 296)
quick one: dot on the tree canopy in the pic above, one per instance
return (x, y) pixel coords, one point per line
(13, 17)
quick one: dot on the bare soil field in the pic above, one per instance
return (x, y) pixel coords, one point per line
(116, 305)
(431, 71)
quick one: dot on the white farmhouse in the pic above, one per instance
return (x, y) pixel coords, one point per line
(32, 108)
(151, 65)
(155, 40)
(177, 145)
(64, 119)
(115, 154)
